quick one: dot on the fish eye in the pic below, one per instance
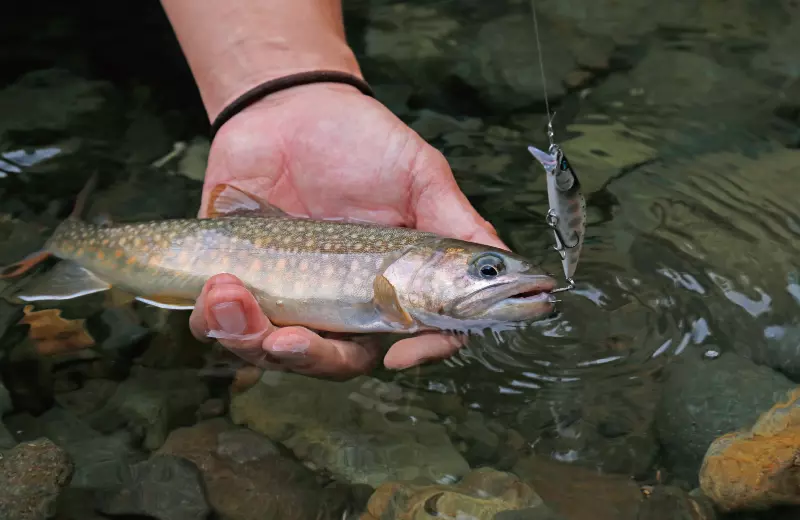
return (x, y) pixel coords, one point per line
(489, 266)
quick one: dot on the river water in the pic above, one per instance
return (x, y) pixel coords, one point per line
(682, 121)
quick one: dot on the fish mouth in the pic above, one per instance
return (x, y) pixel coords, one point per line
(517, 300)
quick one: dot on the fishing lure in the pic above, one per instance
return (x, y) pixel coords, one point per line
(567, 213)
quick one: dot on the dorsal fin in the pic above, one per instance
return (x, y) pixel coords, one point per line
(227, 201)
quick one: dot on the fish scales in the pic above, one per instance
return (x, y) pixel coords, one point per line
(288, 263)
(325, 275)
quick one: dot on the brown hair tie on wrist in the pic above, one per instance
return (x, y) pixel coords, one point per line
(294, 80)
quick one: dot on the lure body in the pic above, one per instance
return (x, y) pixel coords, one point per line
(567, 213)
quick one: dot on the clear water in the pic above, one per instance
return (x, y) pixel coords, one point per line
(684, 127)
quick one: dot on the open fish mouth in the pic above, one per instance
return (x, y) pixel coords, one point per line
(518, 300)
(537, 291)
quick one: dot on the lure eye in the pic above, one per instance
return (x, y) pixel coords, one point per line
(564, 164)
(489, 266)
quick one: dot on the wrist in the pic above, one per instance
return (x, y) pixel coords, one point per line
(236, 45)
(251, 65)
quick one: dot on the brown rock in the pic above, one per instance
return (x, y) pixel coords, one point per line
(251, 481)
(759, 468)
(31, 477)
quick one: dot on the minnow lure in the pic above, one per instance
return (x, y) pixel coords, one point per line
(567, 212)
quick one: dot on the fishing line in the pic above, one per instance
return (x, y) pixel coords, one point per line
(541, 69)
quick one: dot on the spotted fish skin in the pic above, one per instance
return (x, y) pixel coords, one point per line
(567, 205)
(327, 275)
(322, 269)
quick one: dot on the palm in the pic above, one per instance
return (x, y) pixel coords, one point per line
(340, 154)
(328, 151)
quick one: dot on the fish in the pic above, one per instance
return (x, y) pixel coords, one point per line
(567, 212)
(334, 276)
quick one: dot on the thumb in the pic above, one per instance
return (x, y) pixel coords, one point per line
(441, 207)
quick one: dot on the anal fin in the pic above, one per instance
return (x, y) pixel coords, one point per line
(227, 201)
(167, 302)
(65, 281)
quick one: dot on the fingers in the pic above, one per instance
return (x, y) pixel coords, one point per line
(228, 312)
(440, 205)
(305, 352)
(414, 351)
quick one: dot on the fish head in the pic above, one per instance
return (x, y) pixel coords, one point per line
(457, 285)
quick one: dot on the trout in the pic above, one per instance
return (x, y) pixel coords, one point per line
(334, 276)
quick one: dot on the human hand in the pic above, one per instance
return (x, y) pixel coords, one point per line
(328, 151)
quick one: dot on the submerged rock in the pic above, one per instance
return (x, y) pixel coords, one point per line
(151, 403)
(52, 99)
(99, 461)
(31, 476)
(164, 488)
(501, 63)
(703, 399)
(759, 467)
(583, 494)
(481, 495)
(405, 32)
(358, 430)
(246, 478)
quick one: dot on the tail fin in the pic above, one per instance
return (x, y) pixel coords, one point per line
(38, 257)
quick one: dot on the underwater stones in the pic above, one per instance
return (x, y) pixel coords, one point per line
(759, 467)
(90, 397)
(247, 479)
(667, 80)
(99, 461)
(481, 495)
(404, 32)
(6, 439)
(501, 63)
(780, 56)
(703, 399)
(152, 402)
(164, 488)
(362, 430)
(51, 99)
(31, 476)
(564, 487)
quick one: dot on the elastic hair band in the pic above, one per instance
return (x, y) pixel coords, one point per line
(293, 80)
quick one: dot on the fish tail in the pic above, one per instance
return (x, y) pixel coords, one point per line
(36, 258)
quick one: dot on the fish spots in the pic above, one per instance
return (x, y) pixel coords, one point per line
(79, 252)
(100, 255)
(280, 265)
(131, 260)
(255, 266)
(118, 253)
(303, 267)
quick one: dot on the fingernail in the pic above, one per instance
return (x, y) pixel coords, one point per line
(290, 347)
(230, 316)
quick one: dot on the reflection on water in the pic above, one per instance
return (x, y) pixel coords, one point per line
(681, 121)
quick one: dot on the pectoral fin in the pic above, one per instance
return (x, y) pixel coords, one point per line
(167, 302)
(388, 304)
(227, 201)
(65, 281)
